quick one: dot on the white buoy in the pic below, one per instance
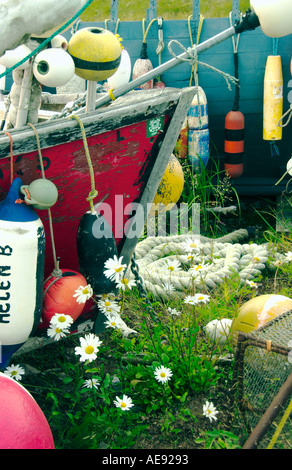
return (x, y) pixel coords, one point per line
(53, 67)
(12, 57)
(122, 75)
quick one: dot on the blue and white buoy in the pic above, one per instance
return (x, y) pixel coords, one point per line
(22, 257)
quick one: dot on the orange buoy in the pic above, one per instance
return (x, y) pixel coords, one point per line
(234, 143)
(181, 146)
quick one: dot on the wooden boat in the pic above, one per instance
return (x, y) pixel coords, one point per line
(130, 141)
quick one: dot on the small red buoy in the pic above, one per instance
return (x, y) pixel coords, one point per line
(23, 424)
(234, 143)
(58, 295)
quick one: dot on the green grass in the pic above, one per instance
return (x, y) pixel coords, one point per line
(131, 10)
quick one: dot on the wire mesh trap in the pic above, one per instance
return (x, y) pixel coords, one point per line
(262, 383)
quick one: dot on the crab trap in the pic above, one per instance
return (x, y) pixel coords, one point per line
(262, 383)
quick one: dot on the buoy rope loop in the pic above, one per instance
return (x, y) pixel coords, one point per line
(43, 176)
(93, 193)
(47, 40)
(199, 30)
(192, 58)
(287, 113)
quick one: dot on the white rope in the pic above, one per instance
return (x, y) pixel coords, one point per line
(220, 258)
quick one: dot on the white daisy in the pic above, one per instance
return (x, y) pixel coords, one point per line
(125, 283)
(15, 372)
(162, 374)
(109, 306)
(124, 403)
(172, 265)
(190, 299)
(114, 268)
(201, 298)
(62, 320)
(113, 321)
(252, 284)
(210, 411)
(198, 268)
(83, 293)
(172, 311)
(91, 383)
(191, 244)
(168, 287)
(88, 347)
(56, 332)
(289, 256)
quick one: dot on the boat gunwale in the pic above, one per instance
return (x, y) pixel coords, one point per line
(119, 113)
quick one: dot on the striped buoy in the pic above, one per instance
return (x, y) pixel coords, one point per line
(22, 257)
(234, 143)
(96, 53)
(234, 127)
(198, 132)
(273, 99)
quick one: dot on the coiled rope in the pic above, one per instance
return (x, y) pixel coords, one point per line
(222, 258)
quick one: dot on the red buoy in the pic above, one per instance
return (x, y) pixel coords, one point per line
(23, 424)
(58, 295)
(234, 143)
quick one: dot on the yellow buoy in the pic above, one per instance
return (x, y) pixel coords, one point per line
(273, 99)
(96, 53)
(170, 187)
(258, 312)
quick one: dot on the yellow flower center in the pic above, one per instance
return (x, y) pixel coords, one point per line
(171, 268)
(89, 349)
(256, 258)
(123, 404)
(58, 330)
(125, 281)
(193, 245)
(62, 319)
(119, 269)
(13, 372)
(199, 267)
(201, 297)
(85, 291)
(162, 374)
(107, 304)
(113, 323)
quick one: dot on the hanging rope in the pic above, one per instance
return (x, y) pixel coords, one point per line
(57, 272)
(47, 40)
(201, 21)
(235, 43)
(280, 426)
(11, 156)
(193, 60)
(93, 193)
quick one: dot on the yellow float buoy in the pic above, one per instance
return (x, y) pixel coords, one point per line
(96, 53)
(273, 99)
(258, 312)
(170, 188)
